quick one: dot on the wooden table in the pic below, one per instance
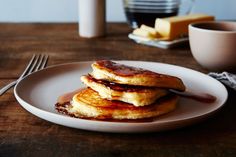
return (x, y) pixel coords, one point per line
(23, 134)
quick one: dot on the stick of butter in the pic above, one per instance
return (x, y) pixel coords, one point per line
(177, 26)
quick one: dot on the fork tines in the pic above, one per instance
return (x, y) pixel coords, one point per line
(37, 62)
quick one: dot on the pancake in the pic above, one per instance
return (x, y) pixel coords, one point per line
(136, 95)
(88, 104)
(123, 74)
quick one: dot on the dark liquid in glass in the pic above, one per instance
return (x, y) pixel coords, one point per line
(135, 19)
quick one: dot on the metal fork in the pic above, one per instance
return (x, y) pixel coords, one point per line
(36, 63)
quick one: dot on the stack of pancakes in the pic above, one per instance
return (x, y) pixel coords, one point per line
(117, 91)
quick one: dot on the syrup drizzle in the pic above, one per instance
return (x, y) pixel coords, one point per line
(203, 97)
(61, 108)
(65, 100)
(119, 87)
(67, 97)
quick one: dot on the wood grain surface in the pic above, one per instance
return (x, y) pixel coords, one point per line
(23, 134)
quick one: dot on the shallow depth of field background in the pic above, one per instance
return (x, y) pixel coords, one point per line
(67, 10)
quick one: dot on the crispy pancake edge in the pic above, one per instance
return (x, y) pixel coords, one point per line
(89, 104)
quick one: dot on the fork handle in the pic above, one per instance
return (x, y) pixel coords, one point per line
(7, 87)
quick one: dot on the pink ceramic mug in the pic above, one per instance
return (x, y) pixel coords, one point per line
(213, 44)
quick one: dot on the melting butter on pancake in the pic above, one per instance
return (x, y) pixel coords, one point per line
(88, 104)
(123, 74)
(136, 95)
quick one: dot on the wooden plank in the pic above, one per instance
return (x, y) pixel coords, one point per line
(62, 43)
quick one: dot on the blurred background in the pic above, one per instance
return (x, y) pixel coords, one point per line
(67, 10)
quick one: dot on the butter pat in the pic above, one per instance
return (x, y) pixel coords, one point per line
(147, 32)
(151, 30)
(177, 26)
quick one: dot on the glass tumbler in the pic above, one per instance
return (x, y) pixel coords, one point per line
(146, 11)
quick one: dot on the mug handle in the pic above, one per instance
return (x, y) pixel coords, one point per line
(186, 7)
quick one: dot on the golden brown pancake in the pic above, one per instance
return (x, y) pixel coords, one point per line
(136, 95)
(123, 74)
(88, 104)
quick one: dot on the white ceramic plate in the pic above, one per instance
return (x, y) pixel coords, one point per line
(39, 91)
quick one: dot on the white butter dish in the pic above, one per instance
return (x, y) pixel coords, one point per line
(158, 43)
